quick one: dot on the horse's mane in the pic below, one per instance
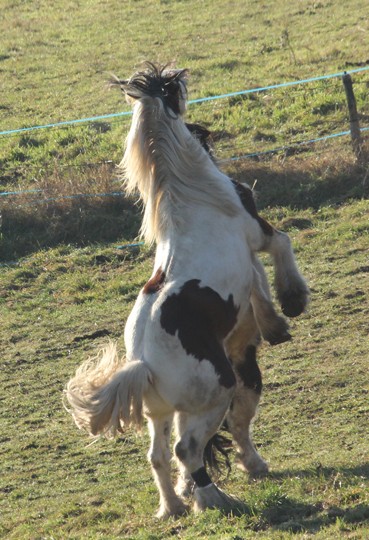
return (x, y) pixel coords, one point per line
(163, 160)
(159, 81)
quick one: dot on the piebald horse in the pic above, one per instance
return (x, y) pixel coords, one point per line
(191, 337)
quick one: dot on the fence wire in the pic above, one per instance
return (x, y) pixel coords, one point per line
(222, 149)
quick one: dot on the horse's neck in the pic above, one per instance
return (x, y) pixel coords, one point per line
(201, 231)
(172, 172)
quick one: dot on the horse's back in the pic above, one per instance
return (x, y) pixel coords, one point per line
(179, 332)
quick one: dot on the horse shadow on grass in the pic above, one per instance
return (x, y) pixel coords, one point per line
(32, 224)
(284, 513)
(300, 185)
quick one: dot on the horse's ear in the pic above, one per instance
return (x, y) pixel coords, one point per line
(183, 74)
(115, 81)
(179, 77)
(122, 84)
(177, 74)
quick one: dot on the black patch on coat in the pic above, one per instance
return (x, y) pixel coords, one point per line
(192, 446)
(201, 477)
(248, 202)
(155, 283)
(249, 371)
(180, 451)
(202, 319)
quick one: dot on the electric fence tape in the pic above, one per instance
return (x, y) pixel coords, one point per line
(190, 102)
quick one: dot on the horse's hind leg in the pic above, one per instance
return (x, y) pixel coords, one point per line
(194, 431)
(159, 456)
(292, 290)
(185, 484)
(241, 348)
(243, 410)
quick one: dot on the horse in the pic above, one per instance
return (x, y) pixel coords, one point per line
(207, 297)
(292, 293)
(291, 288)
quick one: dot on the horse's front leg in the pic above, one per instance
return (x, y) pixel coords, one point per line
(273, 327)
(292, 290)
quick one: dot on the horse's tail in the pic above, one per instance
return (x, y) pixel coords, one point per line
(105, 395)
(217, 450)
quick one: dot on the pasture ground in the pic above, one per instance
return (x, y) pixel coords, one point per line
(65, 287)
(59, 304)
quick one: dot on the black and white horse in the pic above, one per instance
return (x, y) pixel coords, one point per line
(191, 337)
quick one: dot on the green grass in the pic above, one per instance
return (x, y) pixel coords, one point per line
(55, 63)
(69, 289)
(58, 305)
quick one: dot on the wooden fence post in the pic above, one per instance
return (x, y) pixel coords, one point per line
(354, 118)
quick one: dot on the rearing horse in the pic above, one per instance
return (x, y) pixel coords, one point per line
(205, 285)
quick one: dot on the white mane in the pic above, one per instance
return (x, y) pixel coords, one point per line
(170, 169)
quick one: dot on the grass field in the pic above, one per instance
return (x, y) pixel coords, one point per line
(56, 62)
(69, 288)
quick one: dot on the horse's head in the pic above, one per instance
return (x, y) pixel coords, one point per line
(157, 82)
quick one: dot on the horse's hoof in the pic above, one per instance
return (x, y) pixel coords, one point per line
(174, 510)
(276, 331)
(256, 466)
(278, 339)
(294, 303)
(213, 497)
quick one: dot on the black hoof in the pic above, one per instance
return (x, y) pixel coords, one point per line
(277, 340)
(293, 304)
